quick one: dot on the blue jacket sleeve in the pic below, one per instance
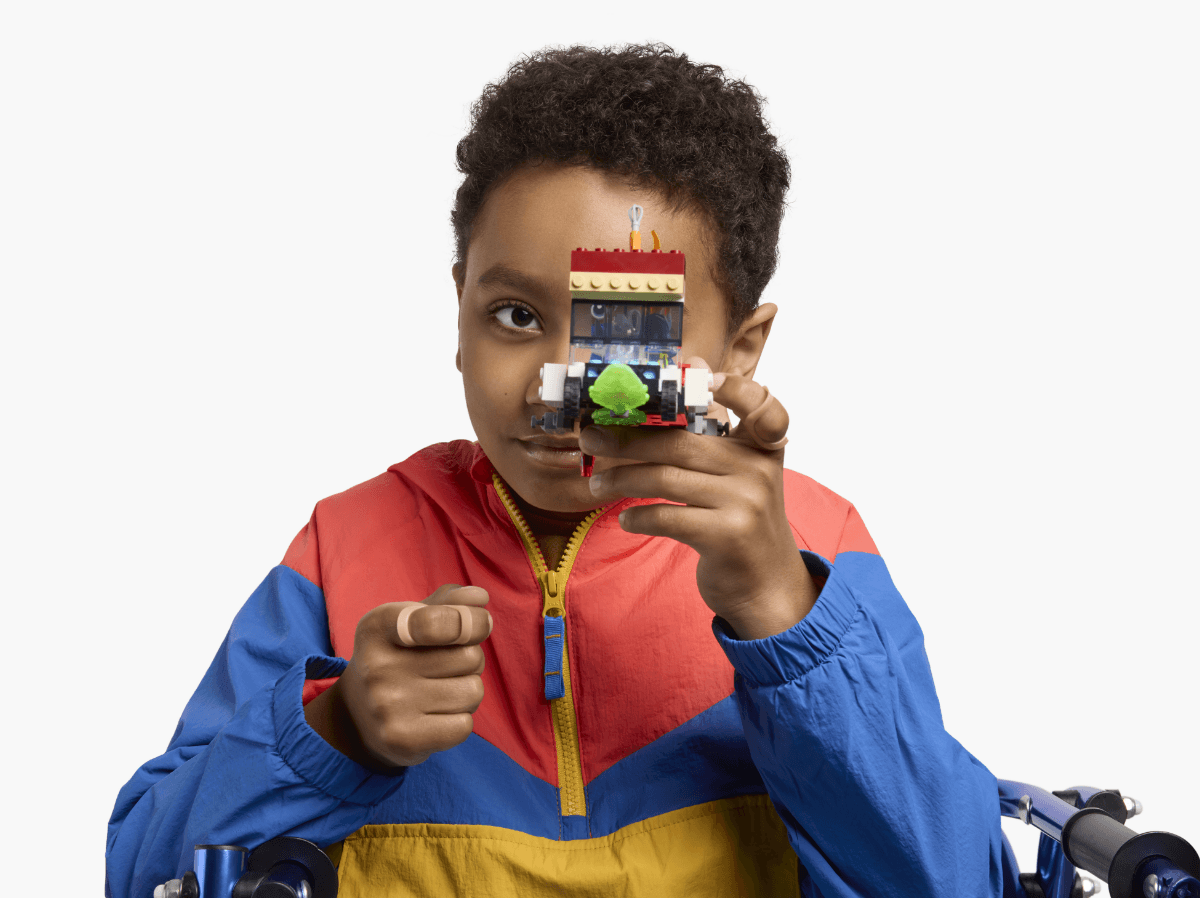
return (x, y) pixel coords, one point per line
(244, 766)
(844, 725)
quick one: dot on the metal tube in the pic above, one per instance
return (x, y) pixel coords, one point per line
(217, 868)
(1035, 806)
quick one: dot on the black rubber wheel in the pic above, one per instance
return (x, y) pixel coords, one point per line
(668, 402)
(572, 391)
(285, 849)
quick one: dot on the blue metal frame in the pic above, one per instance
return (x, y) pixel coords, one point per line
(1088, 831)
(1081, 827)
(282, 866)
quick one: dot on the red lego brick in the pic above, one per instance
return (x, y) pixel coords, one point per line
(624, 261)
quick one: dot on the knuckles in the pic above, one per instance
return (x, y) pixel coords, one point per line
(473, 692)
(397, 744)
(374, 624)
(462, 725)
(760, 486)
(474, 658)
(692, 450)
(675, 479)
(740, 521)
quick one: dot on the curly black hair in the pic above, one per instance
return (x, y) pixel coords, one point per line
(649, 114)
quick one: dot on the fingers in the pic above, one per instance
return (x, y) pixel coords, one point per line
(418, 624)
(673, 483)
(440, 662)
(402, 740)
(699, 528)
(674, 446)
(452, 615)
(763, 419)
(453, 594)
(414, 741)
(453, 695)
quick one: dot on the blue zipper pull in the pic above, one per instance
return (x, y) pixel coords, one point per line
(554, 635)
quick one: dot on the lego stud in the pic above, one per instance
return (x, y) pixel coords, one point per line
(597, 281)
(652, 283)
(672, 283)
(634, 283)
(577, 281)
(615, 283)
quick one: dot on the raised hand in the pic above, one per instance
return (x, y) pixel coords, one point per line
(408, 691)
(750, 571)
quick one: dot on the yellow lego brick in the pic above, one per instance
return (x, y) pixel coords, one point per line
(613, 282)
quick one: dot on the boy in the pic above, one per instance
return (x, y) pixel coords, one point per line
(454, 753)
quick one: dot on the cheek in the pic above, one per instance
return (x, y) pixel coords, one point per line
(492, 376)
(701, 339)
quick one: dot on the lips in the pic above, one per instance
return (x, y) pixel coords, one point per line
(571, 444)
(553, 453)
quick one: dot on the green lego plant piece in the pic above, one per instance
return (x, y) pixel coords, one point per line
(619, 392)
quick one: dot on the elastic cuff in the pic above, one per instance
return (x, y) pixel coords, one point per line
(794, 652)
(310, 756)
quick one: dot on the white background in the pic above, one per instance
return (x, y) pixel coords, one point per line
(224, 265)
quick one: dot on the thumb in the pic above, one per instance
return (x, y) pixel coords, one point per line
(453, 594)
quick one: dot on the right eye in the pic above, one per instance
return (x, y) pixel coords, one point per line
(517, 318)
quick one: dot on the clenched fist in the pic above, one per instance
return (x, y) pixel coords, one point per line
(408, 692)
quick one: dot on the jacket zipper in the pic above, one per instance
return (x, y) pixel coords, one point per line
(557, 674)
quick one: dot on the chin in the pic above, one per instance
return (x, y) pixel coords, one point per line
(566, 492)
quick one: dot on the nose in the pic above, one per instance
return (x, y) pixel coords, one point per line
(545, 399)
(533, 392)
(561, 355)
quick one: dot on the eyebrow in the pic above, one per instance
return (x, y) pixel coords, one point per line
(501, 275)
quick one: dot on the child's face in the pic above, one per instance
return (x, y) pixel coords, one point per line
(515, 311)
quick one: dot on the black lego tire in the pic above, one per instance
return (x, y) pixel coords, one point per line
(572, 393)
(668, 401)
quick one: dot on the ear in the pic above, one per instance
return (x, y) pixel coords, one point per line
(455, 270)
(746, 345)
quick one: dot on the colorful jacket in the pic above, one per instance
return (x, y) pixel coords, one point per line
(678, 760)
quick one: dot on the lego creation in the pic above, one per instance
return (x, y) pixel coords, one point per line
(624, 366)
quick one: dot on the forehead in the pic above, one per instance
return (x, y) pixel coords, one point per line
(537, 215)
